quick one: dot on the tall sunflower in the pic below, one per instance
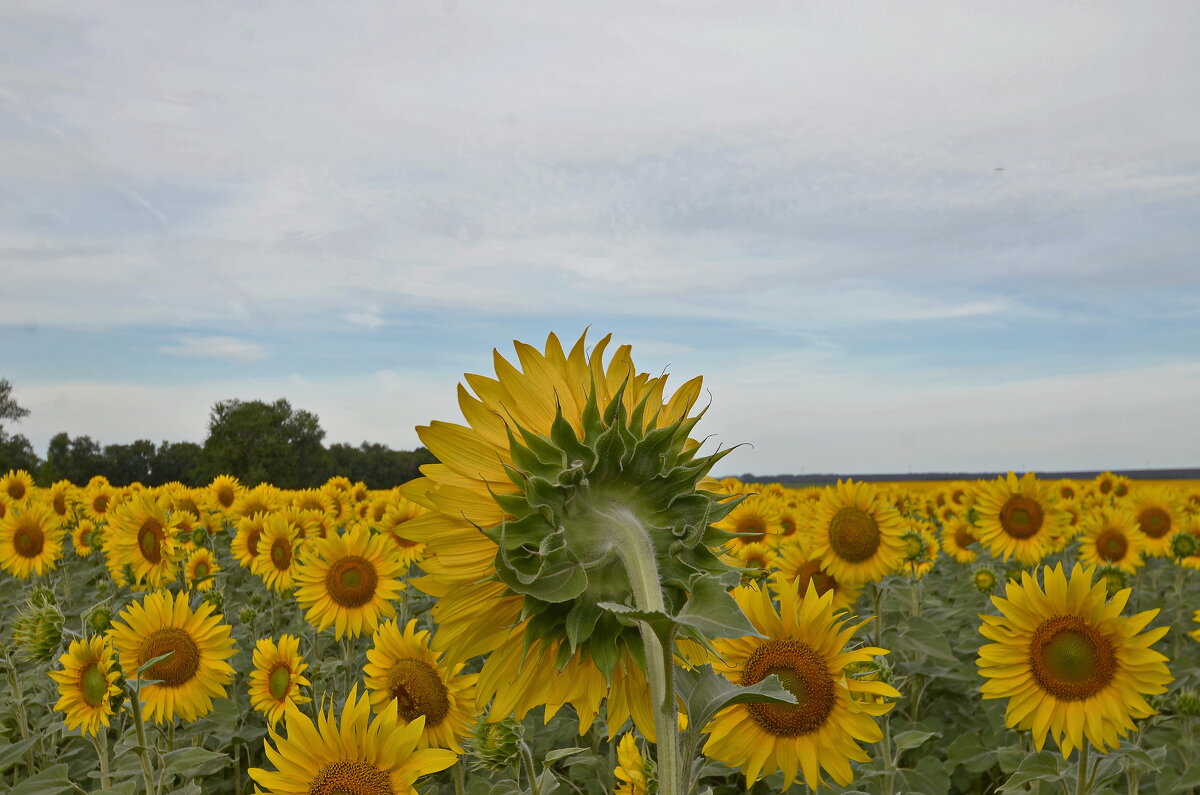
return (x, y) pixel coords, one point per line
(276, 548)
(86, 684)
(796, 565)
(404, 674)
(349, 581)
(857, 533)
(1019, 518)
(804, 643)
(277, 677)
(1068, 662)
(1157, 514)
(16, 485)
(194, 674)
(569, 475)
(957, 537)
(360, 756)
(141, 535)
(1111, 538)
(225, 491)
(31, 539)
(200, 569)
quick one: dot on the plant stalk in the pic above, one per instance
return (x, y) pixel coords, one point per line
(1081, 780)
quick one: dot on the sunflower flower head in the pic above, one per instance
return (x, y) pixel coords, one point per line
(495, 745)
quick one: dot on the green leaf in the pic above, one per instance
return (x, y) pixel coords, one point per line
(926, 639)
(911, 738)
(713, 612)
(1044, 766)
(196, 762)
(51, 781)
(562, 753)
(125, 788)
(705, 693)
(13, 752)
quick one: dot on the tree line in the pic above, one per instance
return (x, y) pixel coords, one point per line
(256, 441)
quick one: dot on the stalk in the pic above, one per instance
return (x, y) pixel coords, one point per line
(535, 784)
(140, 726)
(100, 740)
(1081, 781)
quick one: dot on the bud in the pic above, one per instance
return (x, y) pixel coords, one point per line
(984, 579)
(200, 535)
(41, 596)
(1187, 703)
(1114, 579)
(495, 745)
(1184, 545)
(216, 599)
(246, 615)
(99, 619)
(37, 632)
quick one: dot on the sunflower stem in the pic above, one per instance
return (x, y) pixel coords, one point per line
(1081, 779)
(19, 703)
(100, 740)
(140, 726)
(535, 784)
(459, 774)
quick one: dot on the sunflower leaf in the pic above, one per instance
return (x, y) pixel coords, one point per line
(705, 693)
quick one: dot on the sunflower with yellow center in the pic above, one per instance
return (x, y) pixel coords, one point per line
(31, 540)
(805, 645)
(795, 566)
(87, 684)
(1019, 518)
(199, 644)
(573, 482)
(349, 581)
(857, 533)
(1068, 662)
(275, 560)
(142, 535)
(200, 569)
(277, 677)
(404, 675)
(1157, 514)
(957, 539)
(16, 485)
(1111, 538)
(631, 773)
(359, 756)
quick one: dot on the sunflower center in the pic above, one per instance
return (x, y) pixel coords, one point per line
(1021, 517)
(181, 666)
(201, 570)
(150, 538)
(812, 572)
(1105, 486)
(803, 672)
(754, 527)
(252, 536)
(1112, 545)
(1120, 490)
(279, 681)
(1070, 659)
(788, 524)
(418, 690)
(93, 684)
(351, 581)
(225, 496)
(1154, 522)
(100, 504)
(345, 777)
(60, 504)
(853, 534)
(281, 553)
(963, 536)
(29, 540)
(16, 490)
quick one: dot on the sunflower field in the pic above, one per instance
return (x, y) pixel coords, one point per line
(569, 602)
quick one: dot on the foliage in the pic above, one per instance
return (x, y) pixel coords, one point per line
(260, 442)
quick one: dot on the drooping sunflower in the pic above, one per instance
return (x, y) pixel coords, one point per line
(142, 535)
(403, 674)
(31, 539)
(957, 537)
(795, 565)
(360, 756)
(1110, 538)
(349, 581)
(200, 643)
(16, 485)
(805, 645)
(857, 533)
(1157, 515)
(1019, 518)
(631, 773)
(568, 467)
(200, 569)
(86, 684)
(277, 677)
(275, 560)
(1069, 663)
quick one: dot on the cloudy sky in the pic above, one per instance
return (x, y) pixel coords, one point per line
(892, 237)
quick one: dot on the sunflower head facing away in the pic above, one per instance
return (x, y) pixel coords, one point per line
(1068, 662)
(567, 467)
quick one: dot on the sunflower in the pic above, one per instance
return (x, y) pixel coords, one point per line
(795, 565)
(31, 540)
(569, 472)
(804, 644)
(632, 774)
(1019, 518)
(312, 500)
(1111, 538)
(194, 674)
(84, 538)
(87, 684)
(97, 501)
(1070, 664)
(403, 674)
(921, 549)
(755, 520)
(61, 498)
(361, 756)
(398, 512)
(349, 581)
(957, 537)
(200, 569)
(244, 546)
(225, 491)
(1157, 515)
(275, 560)
(1067, 490)
(752, 556)
(277, 677)
(857, 533)
(142, 535)
(16, 485)
(260, 499)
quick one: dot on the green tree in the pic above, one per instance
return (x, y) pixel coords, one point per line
(378, 465)
(177, 461)
(76, 459)
(126, 463)
(15, 451)
(262, 442)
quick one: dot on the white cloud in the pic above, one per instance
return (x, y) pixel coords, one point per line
(216, 348)
(369, 318)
